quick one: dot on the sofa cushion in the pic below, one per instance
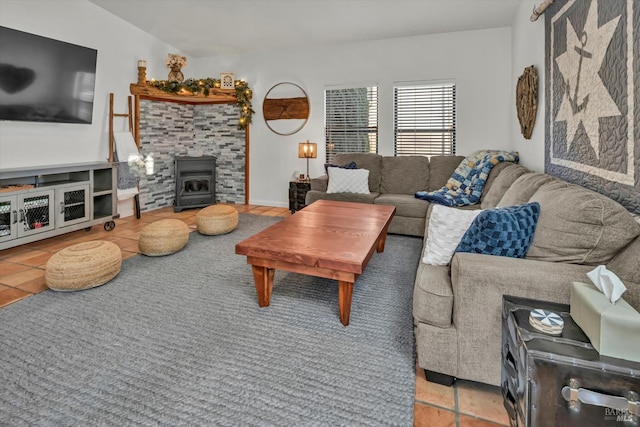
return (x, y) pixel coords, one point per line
(314, 195)
(407, 226)
(445, 229)
(406, 205)
(319, 183)
(440, 170)
(494, 173)
(350, 165)
(495, 190)
(430, 209)
(625, 266)
(626, 263)
(433, 295)
(579, 226)
(368, 161)
(523, 188)
(504, 231)
(348, 181)
(404, 174)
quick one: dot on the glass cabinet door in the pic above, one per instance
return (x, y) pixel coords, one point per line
(35, 212)
(8, 218)
(72, 205)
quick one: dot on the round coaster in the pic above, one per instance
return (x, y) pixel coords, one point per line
(546, 321)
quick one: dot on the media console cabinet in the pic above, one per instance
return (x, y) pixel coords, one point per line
(43, 202)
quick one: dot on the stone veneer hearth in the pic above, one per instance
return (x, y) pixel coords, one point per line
(169, 129)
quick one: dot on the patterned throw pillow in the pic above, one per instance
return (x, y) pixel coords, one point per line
(446, 227)
(348, 180)
(351, 165)
(504, 231)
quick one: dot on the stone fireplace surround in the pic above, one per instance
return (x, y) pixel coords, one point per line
(169, 129)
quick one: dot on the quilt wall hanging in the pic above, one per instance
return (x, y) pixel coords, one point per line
(592, 89)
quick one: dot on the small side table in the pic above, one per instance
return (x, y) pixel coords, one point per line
(562, 380)
(297, 192)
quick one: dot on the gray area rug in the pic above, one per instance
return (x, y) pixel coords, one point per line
(180, 340)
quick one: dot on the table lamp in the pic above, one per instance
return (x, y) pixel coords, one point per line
(307, 150)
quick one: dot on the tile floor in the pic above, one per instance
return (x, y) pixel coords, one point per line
(464, 404)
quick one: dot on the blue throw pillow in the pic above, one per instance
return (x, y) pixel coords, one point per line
(351, 165)
(504, 231)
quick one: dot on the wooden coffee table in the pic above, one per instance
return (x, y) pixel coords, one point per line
(334, 240)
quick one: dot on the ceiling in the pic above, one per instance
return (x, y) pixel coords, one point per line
(203, 28)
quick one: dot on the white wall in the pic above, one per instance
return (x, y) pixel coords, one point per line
(484, 64)
(528, 49)
(478, 61)
(119, 45)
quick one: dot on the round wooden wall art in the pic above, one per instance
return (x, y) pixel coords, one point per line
(527, 100)
(286, 108)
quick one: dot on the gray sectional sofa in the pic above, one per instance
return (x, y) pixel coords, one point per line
(394, 181)
(457, 307)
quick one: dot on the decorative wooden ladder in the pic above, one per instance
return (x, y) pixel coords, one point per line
(129, 115)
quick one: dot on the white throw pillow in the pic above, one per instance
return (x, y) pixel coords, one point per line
(348, 180)
(446, 228)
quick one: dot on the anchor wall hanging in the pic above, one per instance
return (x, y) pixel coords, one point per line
(592, 82)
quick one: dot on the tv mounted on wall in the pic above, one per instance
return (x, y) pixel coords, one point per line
(45, 80)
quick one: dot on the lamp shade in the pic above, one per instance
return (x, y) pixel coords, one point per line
(307, 150)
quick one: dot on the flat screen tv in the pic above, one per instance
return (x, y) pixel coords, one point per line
(45, 80)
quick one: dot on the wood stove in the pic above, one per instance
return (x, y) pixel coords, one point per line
(195, 182)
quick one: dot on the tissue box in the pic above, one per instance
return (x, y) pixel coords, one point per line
(614, 329)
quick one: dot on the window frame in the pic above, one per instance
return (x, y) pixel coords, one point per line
(333, 131)
(444, 109)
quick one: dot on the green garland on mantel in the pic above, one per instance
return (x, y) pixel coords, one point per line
(202, 86)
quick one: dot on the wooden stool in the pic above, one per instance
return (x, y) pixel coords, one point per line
(83, 265)
(163, 237)
(217, 219)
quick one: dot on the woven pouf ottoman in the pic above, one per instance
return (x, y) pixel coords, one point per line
(163, 237)
(217, 219)
(83, 265)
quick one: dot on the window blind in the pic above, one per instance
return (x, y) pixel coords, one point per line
(351, 121)
(425, 119)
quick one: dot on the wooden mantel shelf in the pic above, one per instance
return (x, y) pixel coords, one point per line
(216, 96)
